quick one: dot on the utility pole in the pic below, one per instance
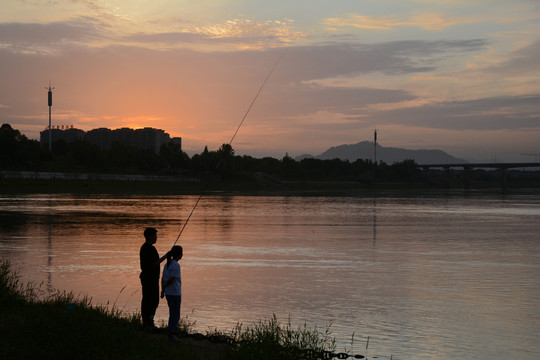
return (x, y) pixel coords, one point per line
(50, 107)
(375, 146)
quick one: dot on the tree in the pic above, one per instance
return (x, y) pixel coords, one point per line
(227, 163)
(288, 166)
(175, 158)
(226, 151)
(16, 151)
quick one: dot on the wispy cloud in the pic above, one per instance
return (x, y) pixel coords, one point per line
(50, 37)
(241, 33)
(524, 61)
(497, 113)
(428, 21)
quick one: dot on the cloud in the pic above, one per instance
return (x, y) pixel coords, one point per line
(496, 113)
(47, 38)
(241, 33)
(120, 81)
(201, 95)
(305, 99)
(170, 38)
(306, 63)
(523, 60)
(245, 28)
(362, 22)
(426, 21)
(95, 32)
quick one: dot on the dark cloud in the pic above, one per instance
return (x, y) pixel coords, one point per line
(305, 99)
(306, 63)
(33, 37)
(495, 113)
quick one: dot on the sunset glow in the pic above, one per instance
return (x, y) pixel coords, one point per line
(459, 76)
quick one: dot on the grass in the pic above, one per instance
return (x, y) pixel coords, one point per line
(58, 326)
(269, 339)
(38, 324)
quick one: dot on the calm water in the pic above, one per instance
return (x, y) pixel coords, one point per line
(424, 278)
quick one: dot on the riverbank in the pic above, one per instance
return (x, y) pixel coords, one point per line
(255, 185)
(38, 325)
(56, 325)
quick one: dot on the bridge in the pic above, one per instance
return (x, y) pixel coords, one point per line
(467, 167)
(481, 165)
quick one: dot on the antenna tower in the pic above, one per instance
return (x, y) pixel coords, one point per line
(375, 146)
(50, 107)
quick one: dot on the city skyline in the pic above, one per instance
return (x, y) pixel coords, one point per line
(457, 76)
(142, 138)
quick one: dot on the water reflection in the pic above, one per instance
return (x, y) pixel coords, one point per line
(425, 278)
(374, 221)
(49, 252)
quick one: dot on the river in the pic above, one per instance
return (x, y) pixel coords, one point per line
(424, 277)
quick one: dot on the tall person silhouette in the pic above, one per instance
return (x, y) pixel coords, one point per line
(150, 271)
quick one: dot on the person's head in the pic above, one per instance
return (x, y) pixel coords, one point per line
(150, 234)
(177, 252)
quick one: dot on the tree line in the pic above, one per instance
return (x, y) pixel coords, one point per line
(17, 152)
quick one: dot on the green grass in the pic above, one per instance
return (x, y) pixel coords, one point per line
(59, 326)
(37, 324)
(269, 339)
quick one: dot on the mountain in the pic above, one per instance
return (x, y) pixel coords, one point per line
(364, 150)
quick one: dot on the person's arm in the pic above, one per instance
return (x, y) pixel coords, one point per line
(169, 282)
(164, 284)
(161, 259)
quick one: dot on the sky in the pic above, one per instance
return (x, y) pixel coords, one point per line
(462, 76)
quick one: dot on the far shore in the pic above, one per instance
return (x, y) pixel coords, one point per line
(28, 182)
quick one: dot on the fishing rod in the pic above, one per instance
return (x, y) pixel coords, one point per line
(230, 142)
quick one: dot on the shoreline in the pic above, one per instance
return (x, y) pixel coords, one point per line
(256, 184)
(9, 186)
(48, 326)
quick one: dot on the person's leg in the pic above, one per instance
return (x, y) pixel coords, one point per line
(150, 302)
(146, 311)
(174, 313)
(154, 300)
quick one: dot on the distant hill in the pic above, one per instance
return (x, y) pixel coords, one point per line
(364, 150)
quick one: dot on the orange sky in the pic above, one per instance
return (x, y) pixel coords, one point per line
(426, 74)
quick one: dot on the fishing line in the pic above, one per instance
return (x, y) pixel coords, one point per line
(231, 141)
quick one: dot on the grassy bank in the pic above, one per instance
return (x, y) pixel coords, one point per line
(55, 325)
(41, 325)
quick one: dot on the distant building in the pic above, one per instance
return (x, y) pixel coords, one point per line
(149, 138)
(68, 135)
(146, 138)
(123, 136)
(101, 137)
